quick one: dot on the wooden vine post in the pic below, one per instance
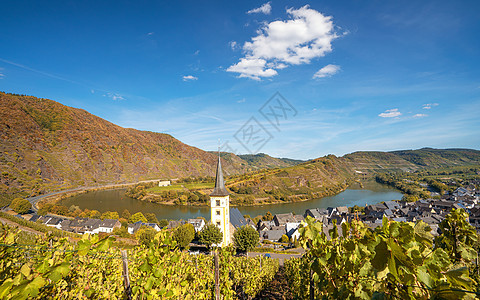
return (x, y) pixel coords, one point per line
(126, 279)
(217, 276)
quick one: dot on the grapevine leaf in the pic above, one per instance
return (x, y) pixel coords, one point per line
(5, 288)
(25, 270)
(424, 277)
(459, 277)
(380, 259)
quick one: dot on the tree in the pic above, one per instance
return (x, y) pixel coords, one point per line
(137, 217)
(163, 223)
(110, 215)
(121, 232)
(268, 216)
(193, 198)
(410, 198)
(94, 214)
(20, 206)
(245, 238)
(151, 218)
(209, 235)
(184, 234)
(44, 209)
(126, 214)
(284, 239)
(145, 235)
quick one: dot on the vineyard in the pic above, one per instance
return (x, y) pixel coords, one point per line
(93, 269)
(397, 260)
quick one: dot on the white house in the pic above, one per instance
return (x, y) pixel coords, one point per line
(197, 224)
(292, 230)
(107, 225)
(164, 183)
(133, 228)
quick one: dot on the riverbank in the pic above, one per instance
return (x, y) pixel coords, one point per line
(115, 200)
(199, 197)
(57, 196)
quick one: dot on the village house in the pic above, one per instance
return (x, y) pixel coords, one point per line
(198, 224)
(133, 228)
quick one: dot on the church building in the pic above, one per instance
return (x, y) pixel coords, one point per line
(220, 206)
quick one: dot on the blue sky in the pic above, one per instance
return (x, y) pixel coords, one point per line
(351, 75)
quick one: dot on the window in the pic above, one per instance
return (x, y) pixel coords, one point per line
(217, 212)
(218, 223)
(218, 202)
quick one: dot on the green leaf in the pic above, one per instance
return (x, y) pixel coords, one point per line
(424, 277)
(83, 246)
(169, 294)
(380, 259)
(5, 288)
(459, 277)
(25, 270)
(35, 285)
(145, 267)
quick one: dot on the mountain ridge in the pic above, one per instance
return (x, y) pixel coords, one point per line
(47, 146)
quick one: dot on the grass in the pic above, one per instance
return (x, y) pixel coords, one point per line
(199, 186)
(181, 187)
(159, 189)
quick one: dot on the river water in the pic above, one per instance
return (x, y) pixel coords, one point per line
(115, 200)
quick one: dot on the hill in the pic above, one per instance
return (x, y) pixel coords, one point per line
(330, 174)
(46, 146)
(265, 161)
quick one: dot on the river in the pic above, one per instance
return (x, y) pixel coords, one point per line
(115, 200)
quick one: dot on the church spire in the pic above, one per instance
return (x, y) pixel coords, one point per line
(219, 190)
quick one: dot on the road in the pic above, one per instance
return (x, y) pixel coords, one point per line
(36, 199)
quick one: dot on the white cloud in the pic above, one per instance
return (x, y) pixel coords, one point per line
(420, 115)
(308, 34)
(114, 96)
(252, 68)
(327, 71)
(189, 78)
(429, 105)
(264, 9)
(241, 100)
(196, 52)
(151, 33)
(233, 45)
(390, 113)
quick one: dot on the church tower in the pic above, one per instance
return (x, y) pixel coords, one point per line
(220, 206)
